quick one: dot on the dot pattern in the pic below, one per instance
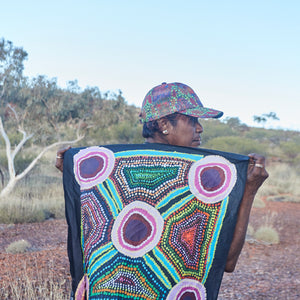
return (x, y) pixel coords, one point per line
(92, 166)
(126, 278)
(137, 229)
(149, 178)
(96, 222)
(149, 223)
(187, 289)
(187, 236)
(212, 178)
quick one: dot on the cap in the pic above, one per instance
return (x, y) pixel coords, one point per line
(169, 98)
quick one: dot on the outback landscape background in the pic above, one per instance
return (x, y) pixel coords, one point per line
(37, 117)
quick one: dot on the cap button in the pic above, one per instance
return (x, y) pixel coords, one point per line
(164, 83)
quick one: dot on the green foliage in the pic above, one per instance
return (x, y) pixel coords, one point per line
(265, 117)
(235, 144)
(214, 128)
(291, 150)
(126, 132)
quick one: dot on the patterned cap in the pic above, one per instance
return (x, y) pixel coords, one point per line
(169, 98)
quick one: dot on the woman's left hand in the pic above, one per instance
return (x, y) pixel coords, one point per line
(257, 172)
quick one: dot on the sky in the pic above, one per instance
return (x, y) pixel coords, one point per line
(241, 57)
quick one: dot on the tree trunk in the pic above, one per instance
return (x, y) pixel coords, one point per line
(9, 187)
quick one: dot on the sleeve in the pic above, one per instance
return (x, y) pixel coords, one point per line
(73, 217)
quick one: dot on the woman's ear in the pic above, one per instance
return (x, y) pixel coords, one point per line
(163, 125)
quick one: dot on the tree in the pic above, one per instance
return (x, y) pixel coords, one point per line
(11, 67)
(28, 107)
(37, 112)
(235, 124)
(265, 117)
(11, 153)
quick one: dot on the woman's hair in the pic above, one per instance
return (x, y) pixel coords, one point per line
(151, 127)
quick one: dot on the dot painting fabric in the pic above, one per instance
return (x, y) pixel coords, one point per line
(150, 221)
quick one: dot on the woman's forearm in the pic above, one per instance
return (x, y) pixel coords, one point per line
(240, 230)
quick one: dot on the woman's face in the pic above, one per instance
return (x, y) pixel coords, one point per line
(186, 132)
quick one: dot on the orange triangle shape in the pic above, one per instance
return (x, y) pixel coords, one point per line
(188, 236)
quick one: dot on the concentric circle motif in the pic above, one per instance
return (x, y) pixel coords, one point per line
(212, 178)
(93, 165)
(137, 229)
(187, 289)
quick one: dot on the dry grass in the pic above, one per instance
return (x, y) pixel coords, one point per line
(39, 282)
(43, 285)
(282, 184)
(36, 198)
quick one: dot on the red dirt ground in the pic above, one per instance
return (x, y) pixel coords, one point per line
(263, 271)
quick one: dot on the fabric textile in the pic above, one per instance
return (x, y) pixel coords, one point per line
(150, 221)
(169, 98)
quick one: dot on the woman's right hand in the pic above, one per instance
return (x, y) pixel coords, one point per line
(59, 164)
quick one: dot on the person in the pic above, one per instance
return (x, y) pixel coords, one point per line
(170, 115)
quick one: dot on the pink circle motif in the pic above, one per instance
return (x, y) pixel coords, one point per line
(187, 289)
(92, 166)
(137, 229)
(212, 178)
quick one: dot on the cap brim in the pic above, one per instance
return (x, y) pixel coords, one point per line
(203, 113)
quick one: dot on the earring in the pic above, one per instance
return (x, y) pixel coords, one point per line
(165, 131)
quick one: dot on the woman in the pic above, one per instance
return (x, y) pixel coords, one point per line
(170, 114)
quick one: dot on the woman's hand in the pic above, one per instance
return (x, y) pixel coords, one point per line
(256, 173)
(59, 164)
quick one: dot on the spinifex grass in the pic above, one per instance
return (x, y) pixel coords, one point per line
(36, 282)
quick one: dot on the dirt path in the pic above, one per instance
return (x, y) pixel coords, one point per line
(263, 271)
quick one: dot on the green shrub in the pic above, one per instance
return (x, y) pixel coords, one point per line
(20, 246)
(267, 234)
(291, 150)
(235, 144)
(214, 128)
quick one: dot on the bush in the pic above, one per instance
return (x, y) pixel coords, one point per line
(20, 246)
(214, 128)
(267, 234)
(291, 150)
(235, 144)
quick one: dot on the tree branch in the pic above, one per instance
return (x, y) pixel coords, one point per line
(32, 164)
(22, 142)
(14, 112)
(10, 161)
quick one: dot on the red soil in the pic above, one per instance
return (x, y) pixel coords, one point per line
(263, 271)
